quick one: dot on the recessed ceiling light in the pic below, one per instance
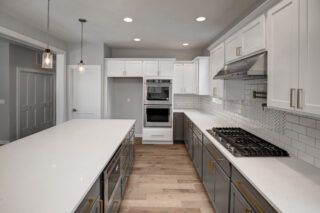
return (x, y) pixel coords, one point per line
(137, 39)
(185, 44)
(201, 19)
(127, 19)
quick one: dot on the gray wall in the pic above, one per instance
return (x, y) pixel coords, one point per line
(185, 54)
(126, 100)
(4, 90)
(93, 53)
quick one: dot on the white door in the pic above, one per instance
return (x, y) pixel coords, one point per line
(116, 68)
(178, 87)
(217, 63)
(133, 68)
(150, 68)
(253, 36)
(85, 92)
(35, 101)
(310, 57)
(233, 47)
(166, 68)
(189, 78)
(283, 55)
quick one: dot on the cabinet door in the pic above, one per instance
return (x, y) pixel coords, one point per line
(217, 63)
(150, 68)
(221, 190)
(196, 76)
(309, 73)
(253, 36)
(133, 68)
(283, 55)
(178, 87)
(116, 68)
(233, 47)
(204, 76)
(189, 78)
(166, 68)
(208, 174)
(237, 202)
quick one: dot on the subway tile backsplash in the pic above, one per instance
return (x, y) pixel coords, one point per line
(299, 135)
(186, 102)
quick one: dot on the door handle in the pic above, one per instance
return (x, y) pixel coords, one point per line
(292, 97)
(74, 110)
(299, 104)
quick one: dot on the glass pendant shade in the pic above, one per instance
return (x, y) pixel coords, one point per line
(81, 66)
(47, 59)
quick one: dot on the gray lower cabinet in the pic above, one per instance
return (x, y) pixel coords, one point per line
(238, 203)
(92, 200)
(197, 149)
(188, 135)
(207, 174)
(178, 120)
(221, 190)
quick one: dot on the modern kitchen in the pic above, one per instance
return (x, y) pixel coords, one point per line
(207, 106)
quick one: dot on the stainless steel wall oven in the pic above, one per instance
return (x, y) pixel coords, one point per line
(158, 91)
(157, 115)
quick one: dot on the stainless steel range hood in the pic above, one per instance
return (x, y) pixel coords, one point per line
(253, 67)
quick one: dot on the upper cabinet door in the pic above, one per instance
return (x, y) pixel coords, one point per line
(233, 47)
(309, 74)
(166, 68)
(283, 55)
(115, 68)
(178, 87)
(133, 68)
(254, 36)
(203, 74)
(217, 63)
(189, 78)
(150, 68)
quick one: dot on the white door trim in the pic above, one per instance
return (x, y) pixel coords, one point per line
(70, 88)
(19, 70)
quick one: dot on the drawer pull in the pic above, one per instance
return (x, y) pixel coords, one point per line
(299, 104)
(117, 206)
(213, 153)
(211, 166)
(89, 206)
(101, 205)
(157, 135)
(292, 97)
(247, 210)
(246, 193)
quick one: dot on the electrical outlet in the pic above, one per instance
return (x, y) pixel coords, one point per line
(2, 101)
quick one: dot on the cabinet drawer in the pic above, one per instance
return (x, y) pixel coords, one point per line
(157, 134)
(218, 156)
(93, 194)
(258, 203)
(197, 131)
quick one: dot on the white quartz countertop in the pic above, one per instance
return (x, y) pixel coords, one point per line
(290, 185)
(51, 171)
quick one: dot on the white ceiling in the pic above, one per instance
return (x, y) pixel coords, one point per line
(159, 23)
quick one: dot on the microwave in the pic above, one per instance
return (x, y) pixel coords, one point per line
(158, 91)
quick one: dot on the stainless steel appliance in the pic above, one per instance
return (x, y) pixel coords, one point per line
(158, 91)
(157, 115)
(242, 143)
(112, 184)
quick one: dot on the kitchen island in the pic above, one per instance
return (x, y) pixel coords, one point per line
(53, 170)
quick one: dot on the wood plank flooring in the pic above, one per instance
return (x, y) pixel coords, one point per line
(164, 180)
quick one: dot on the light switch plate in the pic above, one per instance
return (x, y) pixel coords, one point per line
(2, 101)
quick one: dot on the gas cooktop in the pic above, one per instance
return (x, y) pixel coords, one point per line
(242, 143)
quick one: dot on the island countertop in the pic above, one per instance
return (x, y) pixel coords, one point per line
(51, 171)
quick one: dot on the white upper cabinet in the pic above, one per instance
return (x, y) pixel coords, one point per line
(115, 68)
(202, 75)
(283, 54)
(150, 68)
(217, 63)
(248, 40)
(166, 68)
(178, 86)
(133, 68)
(309, 73)
(293, 32)
(189, 78)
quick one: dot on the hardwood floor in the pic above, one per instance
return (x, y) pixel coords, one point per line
(164, 180)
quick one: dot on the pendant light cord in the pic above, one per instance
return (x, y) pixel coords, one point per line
(48, 23)
(81, 38)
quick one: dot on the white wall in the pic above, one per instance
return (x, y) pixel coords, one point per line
(185, 54)
(93, 53)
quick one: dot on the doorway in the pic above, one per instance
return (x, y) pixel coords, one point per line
(35, 101)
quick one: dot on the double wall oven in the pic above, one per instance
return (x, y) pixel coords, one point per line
(158, 103)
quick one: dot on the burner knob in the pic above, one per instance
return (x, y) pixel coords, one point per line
(220, 139)
(228, 145)
(232, 149)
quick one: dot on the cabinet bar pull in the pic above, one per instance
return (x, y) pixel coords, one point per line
(211, 166)
(299, 104)
(89, 206)
(213, 153)
(246, 193)
(101, 205)
(117, 207)
(247, 210)
(292, 97)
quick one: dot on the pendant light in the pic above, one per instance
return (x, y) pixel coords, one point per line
(47, 56)
(81, 64)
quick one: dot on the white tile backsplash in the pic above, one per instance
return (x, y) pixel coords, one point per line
(299, 135)
(186, 102)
